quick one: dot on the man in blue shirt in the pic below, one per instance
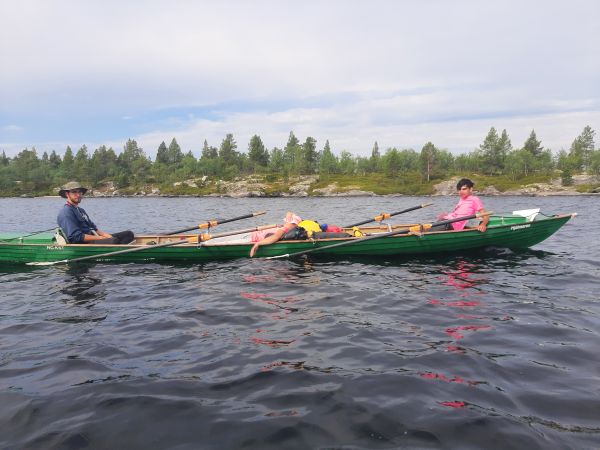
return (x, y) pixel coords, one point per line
(76, 224)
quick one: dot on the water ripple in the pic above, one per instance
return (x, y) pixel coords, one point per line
(435, 352)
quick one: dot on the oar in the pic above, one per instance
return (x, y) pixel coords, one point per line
(193, 240)
(104, 255)
(33, 233)
(384, 216)
(205, 237)
(214, 223)
(378, 236)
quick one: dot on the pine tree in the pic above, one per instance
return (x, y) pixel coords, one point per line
(54, 160)
(257, 153)
(494, 150)
(175, 155)
(309, 153)
(227, 151)
(67, 163)
(582, 148)
(375, 160)
(532, 145)
(133, 162)
(80, 164)
(209, 152)
(276, 160)
(25, 165)
(504, 146)
(162, 154)
(328, 162)
(429, 157)
(292, 153)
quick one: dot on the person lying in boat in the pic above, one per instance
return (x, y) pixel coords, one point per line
(272, 235)
(294, 228)
(77, 225)
(467, 205)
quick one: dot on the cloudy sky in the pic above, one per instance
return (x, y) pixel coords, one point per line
(397, 72)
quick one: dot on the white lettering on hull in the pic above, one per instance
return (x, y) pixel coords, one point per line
(519, 227)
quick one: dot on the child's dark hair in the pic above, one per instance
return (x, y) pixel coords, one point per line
(464, 182)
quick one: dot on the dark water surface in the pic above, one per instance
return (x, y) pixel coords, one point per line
(493, 349)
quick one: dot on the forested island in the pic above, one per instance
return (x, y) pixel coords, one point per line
(300, 168)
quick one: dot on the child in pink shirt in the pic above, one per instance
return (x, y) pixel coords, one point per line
(290, 222)
(467, 205)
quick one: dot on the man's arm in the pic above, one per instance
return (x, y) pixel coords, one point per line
(484, 223)
(93, 237)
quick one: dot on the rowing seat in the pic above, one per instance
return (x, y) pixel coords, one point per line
(59, 237)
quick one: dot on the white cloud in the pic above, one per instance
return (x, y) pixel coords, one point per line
(12, 129)
(352, 130)
(401, 73)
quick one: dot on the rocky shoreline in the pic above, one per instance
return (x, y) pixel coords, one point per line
(302, 187)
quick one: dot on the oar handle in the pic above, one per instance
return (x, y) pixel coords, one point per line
(214, 223)
(384, 216)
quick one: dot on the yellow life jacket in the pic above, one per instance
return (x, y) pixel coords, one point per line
(356, 232)
(310, 226)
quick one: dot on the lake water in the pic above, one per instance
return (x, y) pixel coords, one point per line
(492, 349)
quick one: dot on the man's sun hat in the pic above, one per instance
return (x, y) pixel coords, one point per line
(71, 186)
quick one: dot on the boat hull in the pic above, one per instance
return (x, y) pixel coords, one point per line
(510, 235)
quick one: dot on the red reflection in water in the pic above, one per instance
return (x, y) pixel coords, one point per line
(454, 404)
(281, 309)
(454, 331)
(258, 278)
(442, 377)
(282, 413)
(267, 298)
(253, 295)
(457, 304)
(456, 349)
(462, 279)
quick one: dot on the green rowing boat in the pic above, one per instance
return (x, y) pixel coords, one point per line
(508, 231)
